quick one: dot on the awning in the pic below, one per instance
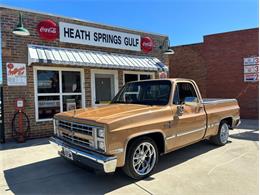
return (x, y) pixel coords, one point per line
(55, 55)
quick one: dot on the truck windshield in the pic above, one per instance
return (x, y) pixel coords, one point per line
(145, 92)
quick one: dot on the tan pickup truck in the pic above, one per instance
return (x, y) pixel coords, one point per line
(144, 120)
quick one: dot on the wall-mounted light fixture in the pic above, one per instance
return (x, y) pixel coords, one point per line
(166, 44)
(20, 30)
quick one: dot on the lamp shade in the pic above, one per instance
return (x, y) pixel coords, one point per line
(168, 51)
(20, 30)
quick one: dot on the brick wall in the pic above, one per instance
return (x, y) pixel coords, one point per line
(220, 60)
(187, 62)
(14, 49)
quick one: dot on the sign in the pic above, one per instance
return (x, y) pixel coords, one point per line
(250, 77)
(16, 74)
(146, 44)
(48, 103)
(48, 30)
(251, 61)
(72, 33)
(251, 69)
(162, 75)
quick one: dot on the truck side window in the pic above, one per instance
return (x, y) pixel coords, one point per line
(184, 91)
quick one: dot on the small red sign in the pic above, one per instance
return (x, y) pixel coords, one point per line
(162, 75)
(146, 44)
(48, 30)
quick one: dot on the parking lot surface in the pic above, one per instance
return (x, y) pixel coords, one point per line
(35, 168)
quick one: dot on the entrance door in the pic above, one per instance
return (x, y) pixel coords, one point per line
(189, 116)
(105, 90)
(104, 86)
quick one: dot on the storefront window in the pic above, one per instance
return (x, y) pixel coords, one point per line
(48, 106)
(71, 102)
(128, 77)
(145, 77)
(57, 91)
(71, 82)
(48, 81)
(131, 77)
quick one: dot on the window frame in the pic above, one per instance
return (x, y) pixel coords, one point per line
(60, 94)
(138, 73)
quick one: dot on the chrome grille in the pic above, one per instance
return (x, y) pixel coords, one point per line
(76, 127)
(76, 140)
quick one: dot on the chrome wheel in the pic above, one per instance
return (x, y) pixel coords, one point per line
(144, 158)
(224, 133)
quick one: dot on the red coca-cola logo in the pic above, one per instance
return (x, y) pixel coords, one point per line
(48, 30)
(146, 44)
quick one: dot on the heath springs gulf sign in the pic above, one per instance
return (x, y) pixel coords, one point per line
(72, 33)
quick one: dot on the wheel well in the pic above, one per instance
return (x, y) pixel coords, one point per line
(157, 137)
(229, 121)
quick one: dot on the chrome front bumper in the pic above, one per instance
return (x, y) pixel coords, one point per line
(89, 158)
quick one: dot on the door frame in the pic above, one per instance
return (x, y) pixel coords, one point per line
(93, 84)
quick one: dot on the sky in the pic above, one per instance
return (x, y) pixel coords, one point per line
(184, 21)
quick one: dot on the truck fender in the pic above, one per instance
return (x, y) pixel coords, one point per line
(142, 134)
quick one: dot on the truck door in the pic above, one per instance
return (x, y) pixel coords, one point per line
(189, 116)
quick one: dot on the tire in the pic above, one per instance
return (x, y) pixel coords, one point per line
(137, 154)
(222, 137)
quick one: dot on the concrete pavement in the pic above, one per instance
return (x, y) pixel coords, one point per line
(35, 168)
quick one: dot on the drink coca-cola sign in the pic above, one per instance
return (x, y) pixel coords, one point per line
(48, 30)
(146, 44)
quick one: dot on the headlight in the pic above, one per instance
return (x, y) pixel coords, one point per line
(100, 132)
(55, 127)
(101, 145)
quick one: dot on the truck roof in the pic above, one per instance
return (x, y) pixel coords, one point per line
(167, 79)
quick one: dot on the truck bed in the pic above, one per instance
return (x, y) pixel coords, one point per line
(217, 109)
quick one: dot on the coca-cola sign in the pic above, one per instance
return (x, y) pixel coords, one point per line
(146, 44)
(48, 30)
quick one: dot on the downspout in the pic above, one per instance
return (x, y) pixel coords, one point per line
(2, 127)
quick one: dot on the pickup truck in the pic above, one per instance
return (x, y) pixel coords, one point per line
(143, 121)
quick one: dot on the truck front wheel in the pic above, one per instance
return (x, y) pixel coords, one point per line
(222, 137)
(141, 158)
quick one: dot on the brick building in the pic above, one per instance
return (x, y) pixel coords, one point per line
(217, 65)
(66, 63)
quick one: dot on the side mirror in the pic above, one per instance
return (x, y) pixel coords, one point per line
(180, 110)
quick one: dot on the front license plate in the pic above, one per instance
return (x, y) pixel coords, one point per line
(67, 153)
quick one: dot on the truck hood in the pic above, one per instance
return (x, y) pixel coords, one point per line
(109, 113)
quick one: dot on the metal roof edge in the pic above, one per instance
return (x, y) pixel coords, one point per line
(77, 19)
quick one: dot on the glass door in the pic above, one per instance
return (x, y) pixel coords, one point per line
(104, 88)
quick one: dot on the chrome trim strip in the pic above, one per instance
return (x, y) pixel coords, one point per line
(171, 137)
(192, 131)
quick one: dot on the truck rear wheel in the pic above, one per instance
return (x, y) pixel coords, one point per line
(141, 158)
(222, 137)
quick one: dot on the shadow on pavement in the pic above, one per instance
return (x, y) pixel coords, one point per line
(58, 176)
(247, 124)
(252, 135)
(28, 143)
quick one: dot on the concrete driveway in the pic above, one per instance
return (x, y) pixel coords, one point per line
(35, 168)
